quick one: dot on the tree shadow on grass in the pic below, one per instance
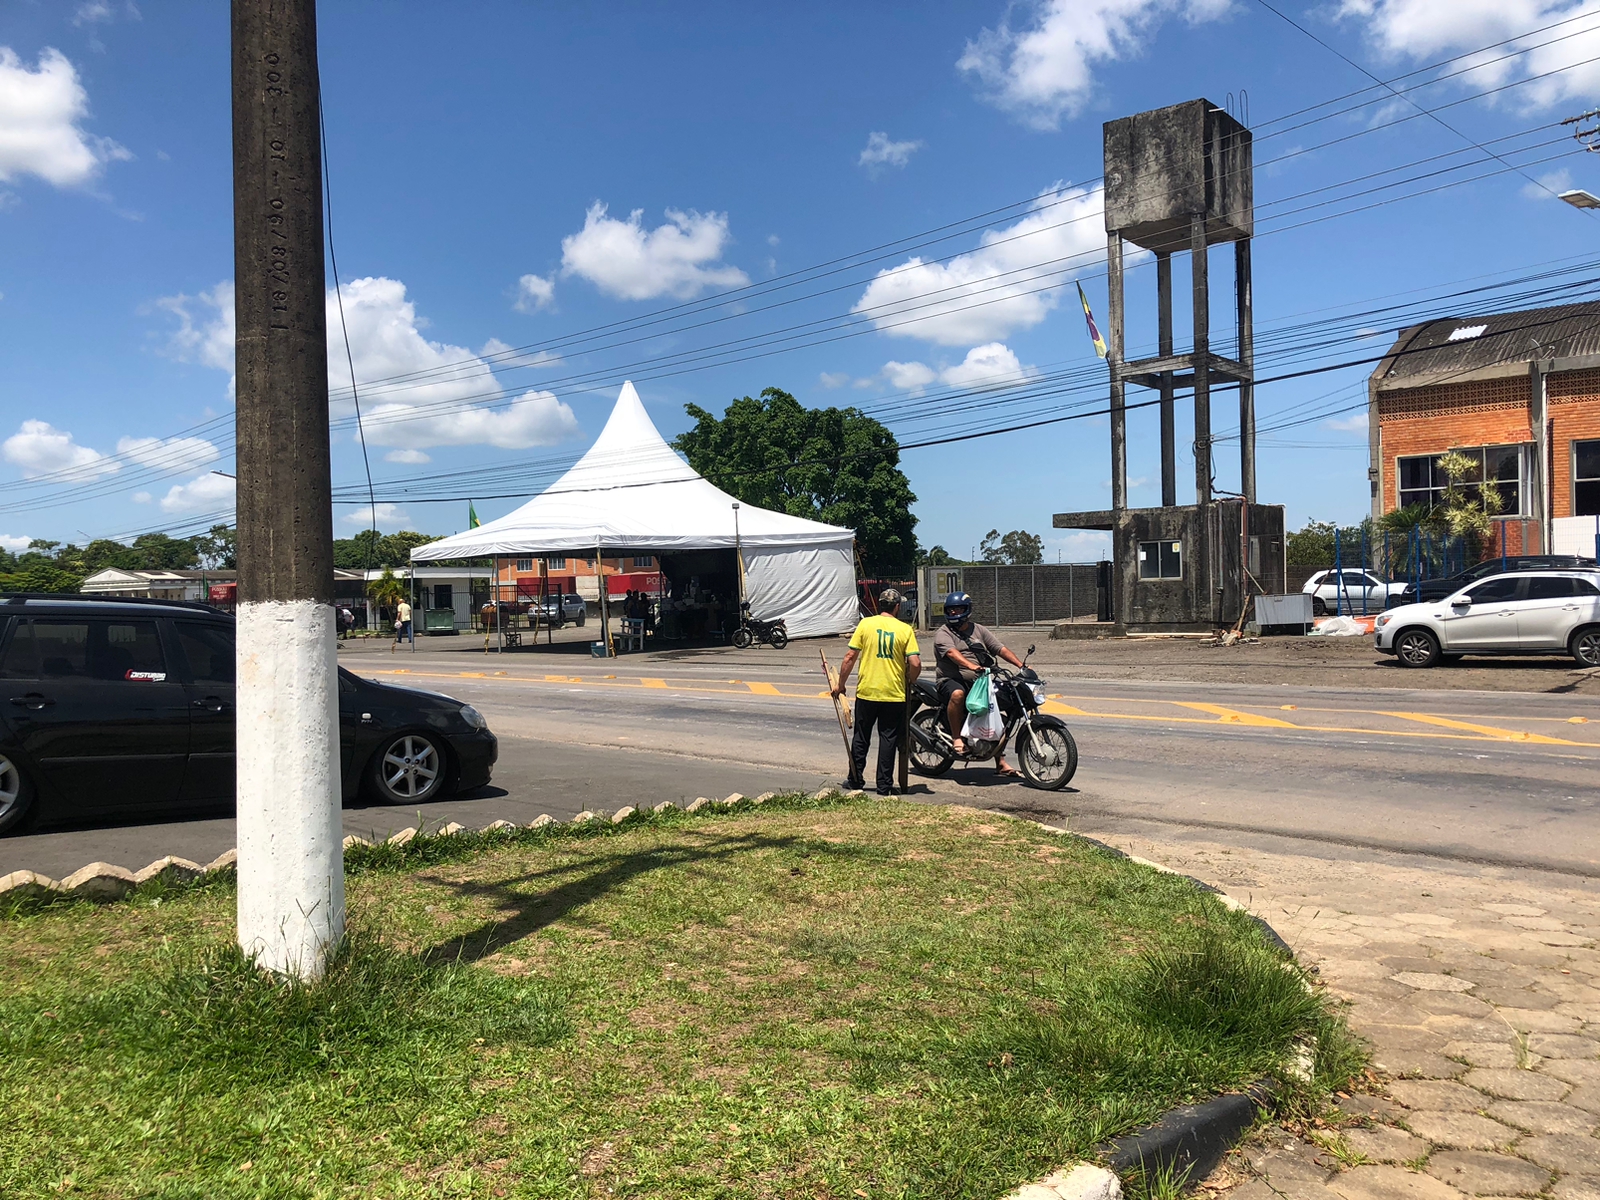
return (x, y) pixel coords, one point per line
(527, 907)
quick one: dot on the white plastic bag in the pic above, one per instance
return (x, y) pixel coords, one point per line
(987, 726)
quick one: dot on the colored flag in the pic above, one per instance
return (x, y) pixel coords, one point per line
(472, 516)
(1094, 332)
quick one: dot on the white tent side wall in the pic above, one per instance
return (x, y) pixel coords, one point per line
(813, 588)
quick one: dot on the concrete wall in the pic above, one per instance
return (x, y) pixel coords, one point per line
(1219, 542)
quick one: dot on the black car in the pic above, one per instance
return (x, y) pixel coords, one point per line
(127, 706)
(1437, 589)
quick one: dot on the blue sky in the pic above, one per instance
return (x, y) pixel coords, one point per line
(506, 176)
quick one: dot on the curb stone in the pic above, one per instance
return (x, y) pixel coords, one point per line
(1081, 1182)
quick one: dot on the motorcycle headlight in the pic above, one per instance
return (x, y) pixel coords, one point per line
(473, 717)
(1038, 692)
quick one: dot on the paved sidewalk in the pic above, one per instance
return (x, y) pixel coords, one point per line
(1479, 990)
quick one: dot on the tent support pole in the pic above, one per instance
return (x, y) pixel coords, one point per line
(605, 605)
(499, 617)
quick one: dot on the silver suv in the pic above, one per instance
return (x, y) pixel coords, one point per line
(1522, 612)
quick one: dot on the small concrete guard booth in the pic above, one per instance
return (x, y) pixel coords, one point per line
(631, 494)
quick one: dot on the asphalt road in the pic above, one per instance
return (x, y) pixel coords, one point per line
(1502, 778)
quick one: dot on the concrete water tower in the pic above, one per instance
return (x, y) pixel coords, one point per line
(1178, 180)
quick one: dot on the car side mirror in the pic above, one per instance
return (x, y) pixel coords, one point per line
(1461, 604)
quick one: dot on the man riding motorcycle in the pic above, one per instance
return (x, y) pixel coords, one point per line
(961, 648)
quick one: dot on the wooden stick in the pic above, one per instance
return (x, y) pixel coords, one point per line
(840, 711)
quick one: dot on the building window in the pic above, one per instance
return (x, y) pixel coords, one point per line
(1423, 481)
(645, 561)
(1160, 560)
(524, 564)
(557, 564)
(1586, 479)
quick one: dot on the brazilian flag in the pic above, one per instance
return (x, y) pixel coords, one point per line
(472, 516)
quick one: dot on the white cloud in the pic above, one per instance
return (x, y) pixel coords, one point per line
(534, 292)
(93, 12)
(834, 379)
(430, 404)
(909, 376)
(204, 493)
(1010, 282)
(881, 152)
(623, 259)
(1550, 185)
(142, 497)
(387, 514)
(1046, 70)
(41, 110)
(205, 326)
(1356, 422)
(407, 456)
(507, 355)
(16, 543)
(39, 448)
(1429, 29)
(173, 454)
(992, 365)
(532, 419)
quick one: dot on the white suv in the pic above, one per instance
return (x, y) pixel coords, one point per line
(1350, 591)
(1523, 612)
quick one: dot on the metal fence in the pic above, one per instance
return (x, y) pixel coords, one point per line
(1001, 595)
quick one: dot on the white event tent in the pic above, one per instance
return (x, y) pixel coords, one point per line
(632, 494)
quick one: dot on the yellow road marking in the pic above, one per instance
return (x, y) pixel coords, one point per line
(1232, 716)
(1490, 731)
(1221, 715)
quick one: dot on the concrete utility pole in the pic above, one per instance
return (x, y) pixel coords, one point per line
(291, 860)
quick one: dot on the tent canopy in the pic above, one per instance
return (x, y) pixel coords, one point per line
(632, 494)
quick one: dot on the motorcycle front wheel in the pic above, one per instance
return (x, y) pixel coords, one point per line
(741, 638)
(926, 758)
(778, 639)
(1048, 756)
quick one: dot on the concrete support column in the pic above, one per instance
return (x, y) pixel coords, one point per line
(1202, 355)
(1169, 444)
(291, 860)
(1247, 359)
(1114, 348)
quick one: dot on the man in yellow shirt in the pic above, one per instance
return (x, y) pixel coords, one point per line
(890, 661)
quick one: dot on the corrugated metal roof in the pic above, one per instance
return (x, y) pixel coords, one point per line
(1484, 346)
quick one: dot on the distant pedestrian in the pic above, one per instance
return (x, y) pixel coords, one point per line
(890, 661)
(345, 620)
(402, 625)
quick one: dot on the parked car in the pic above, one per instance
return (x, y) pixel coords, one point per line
(1350, 590)
(563, 608)
(1523, 612)
(127, 707)
(1438, 589)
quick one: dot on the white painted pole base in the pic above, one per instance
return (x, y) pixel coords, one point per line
(291, 855)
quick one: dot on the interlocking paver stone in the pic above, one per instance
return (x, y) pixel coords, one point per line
(1578, 1187)
(1562, 1045)
(1586, 1097)
(1437, 1095)
(1390, 1183)
(1432, 982)
(1489, 1054)
(1480, 1174)
(1541, 1116)
(1515, 1085)
(1461, 1131)
(1577, 1155)
(1574, 1070)
(1384, 1143)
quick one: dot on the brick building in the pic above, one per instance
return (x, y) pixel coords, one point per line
(521, 576)
(1518, 391)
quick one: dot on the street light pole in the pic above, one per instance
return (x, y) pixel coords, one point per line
(291, 859)
(738, 557)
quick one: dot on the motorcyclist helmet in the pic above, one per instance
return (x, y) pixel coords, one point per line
(957, 608)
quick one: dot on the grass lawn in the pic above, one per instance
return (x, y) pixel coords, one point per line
(812, 999)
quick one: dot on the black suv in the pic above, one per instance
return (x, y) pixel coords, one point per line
(1437, 589)
(127, 706)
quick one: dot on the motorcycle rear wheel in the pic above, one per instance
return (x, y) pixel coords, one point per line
(778, 639)
(741, 638)
(925, 760)
(1048, 756)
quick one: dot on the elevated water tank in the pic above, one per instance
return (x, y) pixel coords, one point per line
(1168, 164)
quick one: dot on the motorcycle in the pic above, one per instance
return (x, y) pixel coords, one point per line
(752, 630)
(1046, 751)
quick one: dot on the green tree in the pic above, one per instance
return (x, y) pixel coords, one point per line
(1314, 544)
(369, 549)
(835, 465)
(219, 549)
(1018, 548)
(935, 556)
(387, 590)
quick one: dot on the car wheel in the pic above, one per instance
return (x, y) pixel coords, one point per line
(1318, 608)
(409, 769)
(1416, 648)
(16, 796)
(1585, 646)
(582, 617)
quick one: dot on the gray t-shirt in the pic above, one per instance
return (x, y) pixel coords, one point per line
(977, 644)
